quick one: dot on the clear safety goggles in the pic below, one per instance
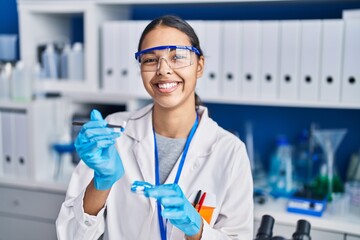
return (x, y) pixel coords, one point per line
(175, 56)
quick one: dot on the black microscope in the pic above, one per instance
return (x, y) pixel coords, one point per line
(266, 226)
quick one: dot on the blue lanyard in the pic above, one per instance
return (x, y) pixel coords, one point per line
(181, 164)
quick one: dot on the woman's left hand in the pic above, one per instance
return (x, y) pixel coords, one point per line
(177, 208)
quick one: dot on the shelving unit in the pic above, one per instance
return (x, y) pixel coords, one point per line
(30, 197)
(42, 21)
(29, 128)
(49, 21)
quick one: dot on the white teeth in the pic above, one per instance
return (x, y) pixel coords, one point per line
(167, 85)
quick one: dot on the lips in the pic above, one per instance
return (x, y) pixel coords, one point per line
(167, 87)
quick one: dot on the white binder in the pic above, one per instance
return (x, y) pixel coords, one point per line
(289, 59)
(1, 147)
(116, 56)
(7, 158)
(212, 46)
(21, 139)
(351, 14)
(269, 62)
(351, 68)
(199, 28)
(136, 84)
(108, 56)
(231, 60)
(122, 38)
(310, 60)
(331, 60)
(250, 59)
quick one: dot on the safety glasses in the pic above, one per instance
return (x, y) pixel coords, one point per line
(175, 56)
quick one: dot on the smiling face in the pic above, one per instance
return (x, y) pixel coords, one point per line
(171, 88)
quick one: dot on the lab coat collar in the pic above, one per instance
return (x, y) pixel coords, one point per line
(139, 127)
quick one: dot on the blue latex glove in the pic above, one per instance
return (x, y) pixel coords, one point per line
(95, 146)
(177, 208)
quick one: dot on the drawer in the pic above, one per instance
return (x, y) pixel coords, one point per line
(351, 237)
(19, 229)
(31, 203)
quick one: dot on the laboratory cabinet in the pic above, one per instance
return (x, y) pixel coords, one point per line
(27, 132)
(28, 213)
(54, 22)
(349, 237)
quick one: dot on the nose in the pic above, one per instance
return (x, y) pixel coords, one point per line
(163, 67)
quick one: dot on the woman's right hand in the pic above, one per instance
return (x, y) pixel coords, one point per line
(95, 145)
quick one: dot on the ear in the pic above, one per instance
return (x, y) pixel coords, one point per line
(200, 67)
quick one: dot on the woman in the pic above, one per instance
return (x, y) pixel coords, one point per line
(171, 150)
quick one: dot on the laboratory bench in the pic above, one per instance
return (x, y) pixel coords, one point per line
(328, 226)
(30, 207)
(29, 210)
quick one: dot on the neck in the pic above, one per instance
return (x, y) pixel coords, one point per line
(173, 123)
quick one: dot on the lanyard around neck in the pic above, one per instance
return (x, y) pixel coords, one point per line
(178, 173)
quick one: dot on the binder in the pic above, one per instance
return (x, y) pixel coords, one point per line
(331, 60)
(115, 45)
(231, 60)
(250, 59)
(136, 84)
(310, 60)
(123, 56)
(269, 62)
(351, 14)
(199, 28)
(211, 47)
(7, 158)
(21, 139)
(108, 57)
(289, 59)
(351, 70)
(1, 147)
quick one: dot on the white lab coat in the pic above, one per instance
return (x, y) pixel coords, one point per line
(216, 162)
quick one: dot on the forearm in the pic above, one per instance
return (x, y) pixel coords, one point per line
(198, 235)
(94, 200)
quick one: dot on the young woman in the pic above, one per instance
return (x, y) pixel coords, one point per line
(194, 176)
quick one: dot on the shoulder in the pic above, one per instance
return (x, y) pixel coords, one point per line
(120, 117)
(222, 138)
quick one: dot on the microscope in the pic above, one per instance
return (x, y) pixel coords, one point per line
(264, 232)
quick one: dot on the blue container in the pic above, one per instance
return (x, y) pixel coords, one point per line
(8, 47)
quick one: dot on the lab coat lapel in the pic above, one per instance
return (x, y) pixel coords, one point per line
(140, 128)
(200, 147)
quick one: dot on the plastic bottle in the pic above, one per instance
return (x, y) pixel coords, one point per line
(50, 60)
(38, 74)
(303, 159)
(64, 62)
(21, 83)
(281, 169)
(308, 159)
(5, 76)
(76, 62)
